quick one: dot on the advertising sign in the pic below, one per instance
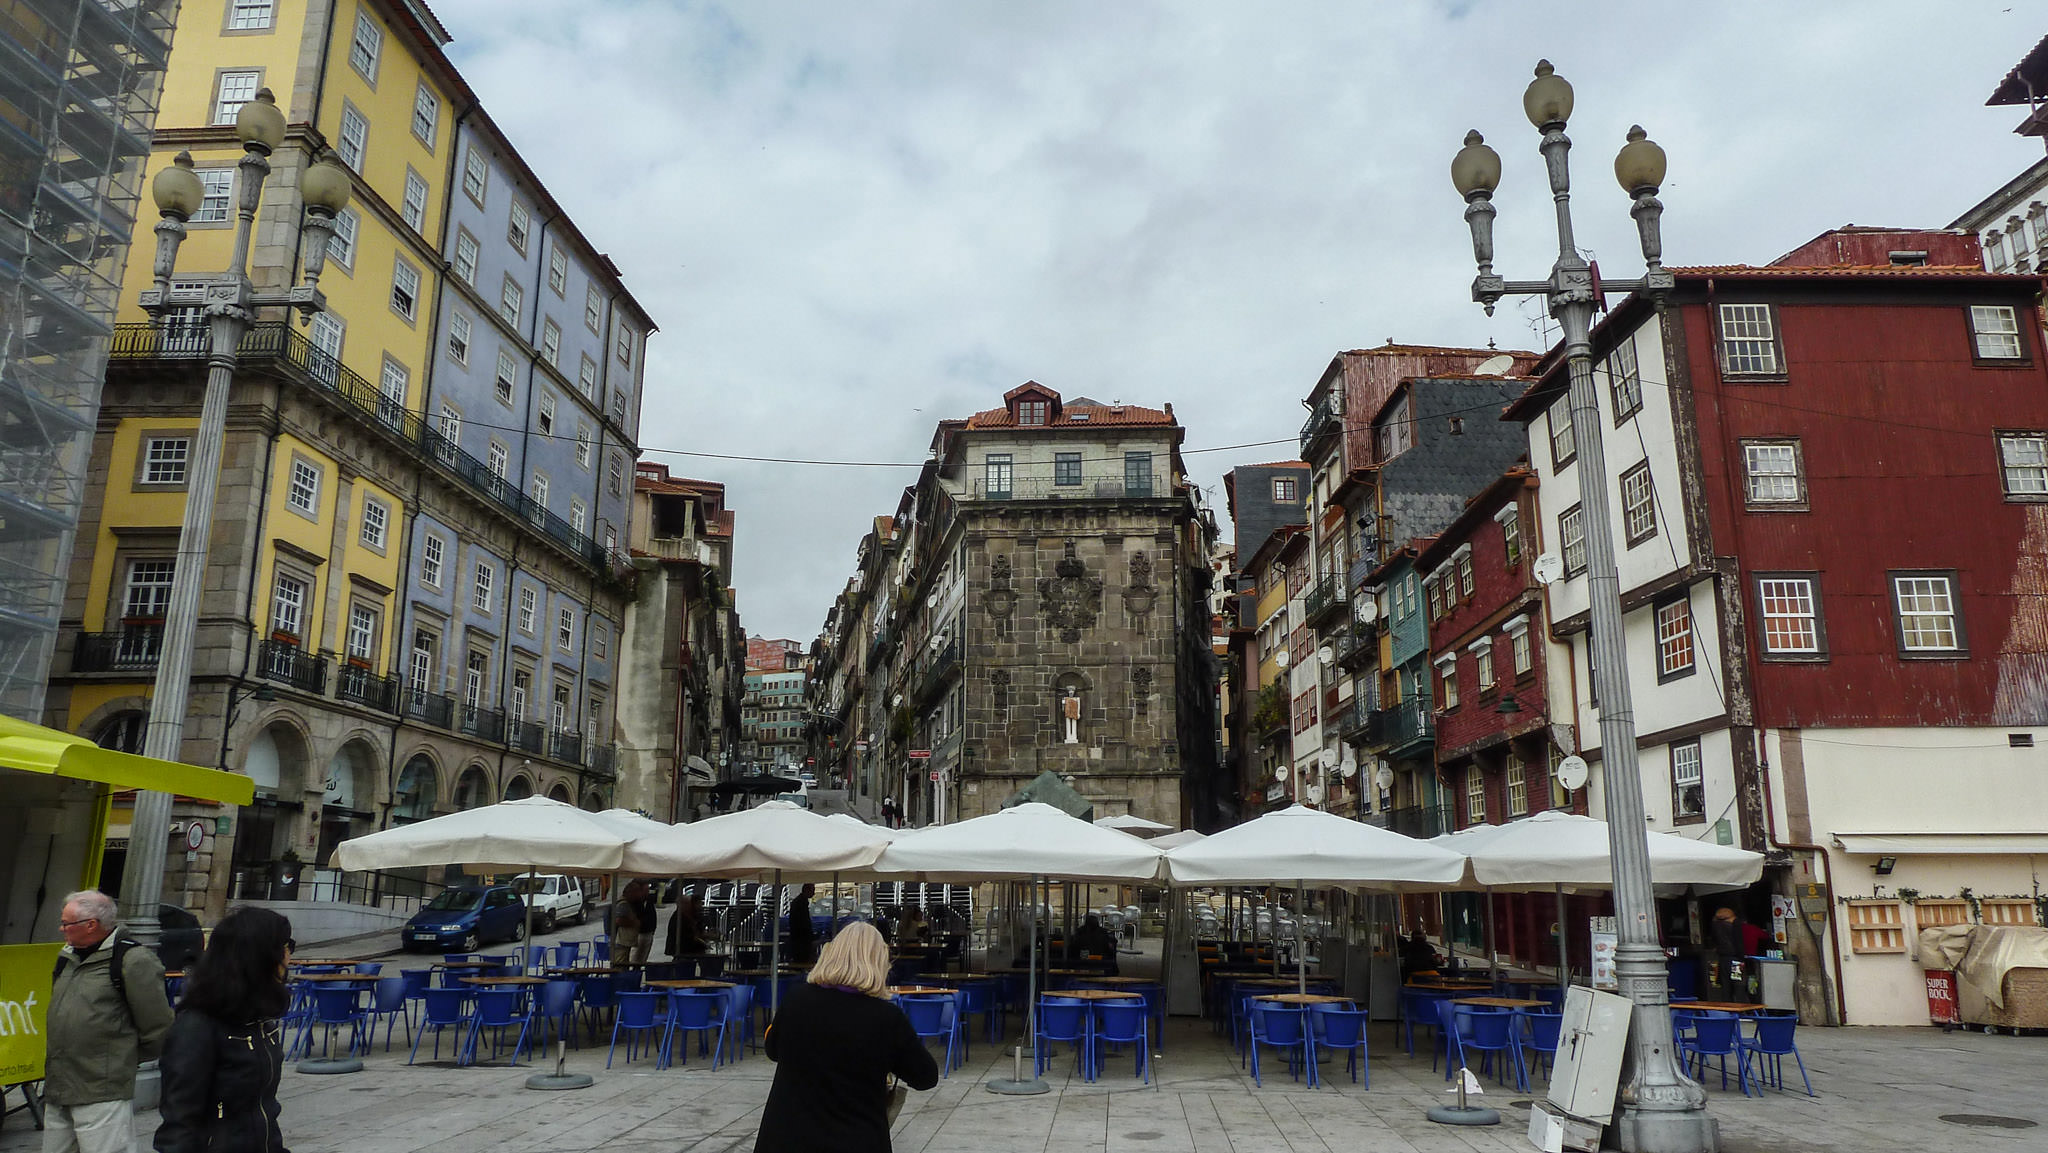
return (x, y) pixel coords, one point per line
(24, 1006)
(1605, 939)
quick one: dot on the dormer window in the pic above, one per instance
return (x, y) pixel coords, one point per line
(1032, 411)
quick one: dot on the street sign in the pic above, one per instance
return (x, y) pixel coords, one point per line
(920, 754)
(195, 836)
(860, 746)
(935, 774)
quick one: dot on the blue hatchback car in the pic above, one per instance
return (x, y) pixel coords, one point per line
(461, 919)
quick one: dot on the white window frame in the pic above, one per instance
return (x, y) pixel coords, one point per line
(519, 227)
(545, 418)
(625, 349)
(593, 308)
(289, 593)
(366, 46)
(459, 333)
(450, 428)
(481, 596)
(498, 458)
(361, 641)
(558, 270)
(586, 376)
(251, 15)
(328, 332)
(540, 490)
(405, 289)
(511, 301)
(432, 553)
(352, 140)
(414, 207)
(1520, 647)
(376, 530)
(341, 246)
(426, 115)
(1475, 796)
(476, 175)
(616, 467)
(1933, 606)
(1789, 607)
(1688, 770)
(232, 88)
(166, 459)
(2023, 464)
(529, 605)
(1749, 340)
(1625, 381)
(1995, 332)
(579, 517)
(1571, 540)
(217, 201)
(507, 378)
(1447, 682)
(1482, 655)
(1564, 443)
(303, 492)
(1638, 505)
(565, 629)
(551, 342)
(1773, 473)
(584, 445)
(1676, 639)
(467, 252)
(1518, 787)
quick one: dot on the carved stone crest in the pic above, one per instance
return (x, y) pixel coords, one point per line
(1140, 594)
(1070, 599)
(1000, 600)
(999, 688)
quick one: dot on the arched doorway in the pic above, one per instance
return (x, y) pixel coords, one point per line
(561, 793)
(519, 787)
(473, 788)
(350, 791)
(265, 829)
(594, 801)
(417, 784)
(123, 732)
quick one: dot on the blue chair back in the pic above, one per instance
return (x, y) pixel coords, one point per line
(639, 1010)
(1715, 1033)
(336, 1006)
(416, 982)
(567, 953)
(711, 966)
(557, 997)
(698, 1008)
(739, 1001)
(388, 995)
(929, 1016)
(599, 992)
(1543, 1029)
(601, 951)
(1122, 1022)
(628, 981)
(1277, 1024)
(535, 957)
(1338, 1028)
(454, 957)
(369, 968)
(498, 1007)
(446, 1006)
(1480, 1028)
(1774, 1032)
(1062, 1020)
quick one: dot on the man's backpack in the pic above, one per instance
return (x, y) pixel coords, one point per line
(116, 971)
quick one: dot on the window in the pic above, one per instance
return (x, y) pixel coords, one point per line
(1876, 927)
(164, 459)
(2007, 911)
(619, 405)
(475, 175)
(500, 458)
(233, 90)
(565, 630)
(1688, 783)
(579, 517)
(1396, 432)
(304, 493)
(511, 298)
(430, 561)
(1928, 621)
(1674, 639)
(626, 347)
(508, 372)
(353, 141)
(451, 434)
(1564, 445)
(540, 494)
(1284, 490)
(551, 342)
(561, 706)
(341, 247)
(415, 207)
(527, 604)
(465, 255)
(1749, 341)
(546, 421)
(1447, 682)
(327, 331)
(480, 591)
(1624, 380)
(1518, 789)
(368, 44)
(615, 464)
(1482, 658)
(392, 386)
(149, 591)
(426, 115)
(586, 376)
(1475, 796)
(405, 289)
(458, 337)
(2023, 462)
(1996, 329)
(1519, 647)
(519, 227)
(522, 688)
(420, 668)
(996, 474)
(600, 642)
(476, 674)
(362, 633)
(1066, 468)
(250, 15)
(1137, 474)
(558, 269)
(1571, 537)
(1033, 412)
(1638, 505)
(288, 606)
(376, 523)
(1773, 473)
(1510, 520)
(216, 203)
(1790, 611)
(593, 308)
(1463, 565)
(583, 446)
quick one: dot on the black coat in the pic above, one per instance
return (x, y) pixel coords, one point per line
(832, 1051)
(220, 1087)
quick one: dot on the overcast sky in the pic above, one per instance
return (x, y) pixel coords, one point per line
(853, 219)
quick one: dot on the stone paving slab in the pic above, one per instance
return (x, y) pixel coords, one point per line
(1880, 1089)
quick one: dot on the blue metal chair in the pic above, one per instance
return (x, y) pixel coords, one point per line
(1332, 1027)
(1124, 1023)
(639, 1016)
(699, 1011)
(1447, 1040)
(935, 1017)
(978, 999)
(1768, 1047)
(567, 953)
(739, 1016)
(1419, 1007)
(499, 1010)
(1716, 1034)
(1283, 1027)
(1539, 1035)
(534, 958)
(601, 951)
(599, 996)
(370, 968)
(417, 981)
(1063, 1019)
(442, 1009)
(338, 1004)
(557, 1007)
(388, 1001)
(1491, 1031)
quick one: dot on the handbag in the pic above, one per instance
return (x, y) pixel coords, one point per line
(897, 1094)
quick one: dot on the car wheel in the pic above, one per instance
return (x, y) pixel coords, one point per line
(468, 943)
(519, 929)
(547, 923)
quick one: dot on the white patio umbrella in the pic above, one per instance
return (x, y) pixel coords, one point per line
(1176, 840)
(1131, 823)
(1305, 847)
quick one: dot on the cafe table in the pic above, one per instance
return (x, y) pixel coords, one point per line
(318, 962)
(491, 981)
(1500, 1002)
(1303, 999)
(1119, 980)
(921, 991)
(363, 977)
(1094, 994)
(1716, 1006)
(689, 983)
(588, 971)
(469, 964)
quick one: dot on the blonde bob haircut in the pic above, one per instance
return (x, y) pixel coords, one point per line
(857, 958)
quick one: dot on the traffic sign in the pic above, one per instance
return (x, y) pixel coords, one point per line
(935, 774)
(920, 754)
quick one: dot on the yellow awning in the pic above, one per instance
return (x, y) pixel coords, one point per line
(53, 752)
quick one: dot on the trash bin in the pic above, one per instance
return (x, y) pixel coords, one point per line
(1942, 1008)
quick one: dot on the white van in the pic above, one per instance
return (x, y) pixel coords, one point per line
(556, 899)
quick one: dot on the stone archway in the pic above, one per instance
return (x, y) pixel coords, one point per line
(418, 789)
(349, 797)
(519, 787)
(560, 792)
(473, 788)
(594, 801)
(278, 761)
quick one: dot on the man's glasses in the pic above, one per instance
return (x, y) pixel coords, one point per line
(75, 924)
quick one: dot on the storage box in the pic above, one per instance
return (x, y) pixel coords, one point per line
(2026, 1002)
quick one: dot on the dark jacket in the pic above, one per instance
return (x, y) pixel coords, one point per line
(220, 1087)
(832, 1051)
(95, 1041)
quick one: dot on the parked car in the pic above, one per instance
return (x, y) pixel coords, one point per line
(556, 899)
(460, 919)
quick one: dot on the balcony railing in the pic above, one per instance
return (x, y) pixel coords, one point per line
(937, 668)
(566, 746)
(277, 344)
(1323, 420)
(1406, 723)
(1357, 647)
(1046, 488)
(430, 708)
(1357, 724)
(1327, 594)
(602, 761)
(281, 660)
(481, 723)
(1420, 820)
(364, 687)
(134, 648)
(528, 736)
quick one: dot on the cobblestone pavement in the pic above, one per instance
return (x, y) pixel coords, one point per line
(1879, 1089)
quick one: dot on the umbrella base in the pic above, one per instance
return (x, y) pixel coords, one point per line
(1462, 1115)
(560, 1081)
(322, 1066)
(1012, 1088)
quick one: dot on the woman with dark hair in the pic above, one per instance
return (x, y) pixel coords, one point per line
(225, 1052)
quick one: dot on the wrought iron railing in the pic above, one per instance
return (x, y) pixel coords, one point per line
(481, 723)
(1420, 820)
(602, 760)
(1326, 594)
(433, 709)
(1406, 723)
(1050, 488)
(1322, 421)
(133, 648)
(566, 746)
(527, 736)
(282, 660)
(358, 684)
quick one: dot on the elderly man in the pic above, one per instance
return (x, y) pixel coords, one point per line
(102, 1023)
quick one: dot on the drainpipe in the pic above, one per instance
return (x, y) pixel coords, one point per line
(1827, 873)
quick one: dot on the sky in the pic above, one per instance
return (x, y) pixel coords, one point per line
(853, 220)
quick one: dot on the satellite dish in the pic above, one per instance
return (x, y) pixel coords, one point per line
(932, 601)
(1495, 365)
(1315, 794)
(1281, 658)
(1571, 772)
(1327, 655)
(1349, 769)
(1368, 610)
(1548, 568)
(1279, 772)
(1384, 778)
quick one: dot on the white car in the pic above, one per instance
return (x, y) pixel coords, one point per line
(556, 899)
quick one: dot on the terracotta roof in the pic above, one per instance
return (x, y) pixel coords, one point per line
(1849, 272)
(1276, 464)
(1437, 350)
(1119, 414)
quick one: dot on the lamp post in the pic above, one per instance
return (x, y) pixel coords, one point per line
(229, 305)
(1660, 1109)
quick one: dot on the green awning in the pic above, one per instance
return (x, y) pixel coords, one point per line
(52, 752)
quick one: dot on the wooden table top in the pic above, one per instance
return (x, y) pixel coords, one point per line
(1096, 994)
(1717, 1006)
(787, 972)
(1303, 999)
(1447, 986)
(1500, 1002)
(504, 980)
(586, 971)
(1268, 980)
(365, 977)
(1241, 974)
(920, 991)
(315, 962)
(470, 964)
(689, 983)
(1119, 980)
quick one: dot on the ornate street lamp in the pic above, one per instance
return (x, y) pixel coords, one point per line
(230, 304)
(1661, 1109)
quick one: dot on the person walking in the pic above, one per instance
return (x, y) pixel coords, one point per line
(803, 947)
(225, 1052)
(633, 917)
(107, 1014)
(835, 1043)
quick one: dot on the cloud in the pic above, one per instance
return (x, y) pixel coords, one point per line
(853, 220)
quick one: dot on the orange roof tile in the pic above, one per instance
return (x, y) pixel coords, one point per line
(1893, 271)
(1117, 414)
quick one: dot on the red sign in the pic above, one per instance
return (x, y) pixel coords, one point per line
(935, 774)
(1941, 997)
(920, 754)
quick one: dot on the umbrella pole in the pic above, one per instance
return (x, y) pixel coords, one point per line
(1301, 936)
(1564, 969)
(835, 907)
(775, 949)
(1017, 1085)
(1492, 946)
(1273, 928)
(1443, 915)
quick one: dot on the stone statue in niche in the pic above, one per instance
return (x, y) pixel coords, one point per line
(1141, 690)
(999, 687)
(1070, 599)
(1140, 595)
(1000, 600)
(1070, 712)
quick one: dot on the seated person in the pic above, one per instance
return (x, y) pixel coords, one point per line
(1092, 941)
(911, 927)
(1417, 955)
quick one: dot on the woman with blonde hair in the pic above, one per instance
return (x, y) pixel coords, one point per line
(835, 1042)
